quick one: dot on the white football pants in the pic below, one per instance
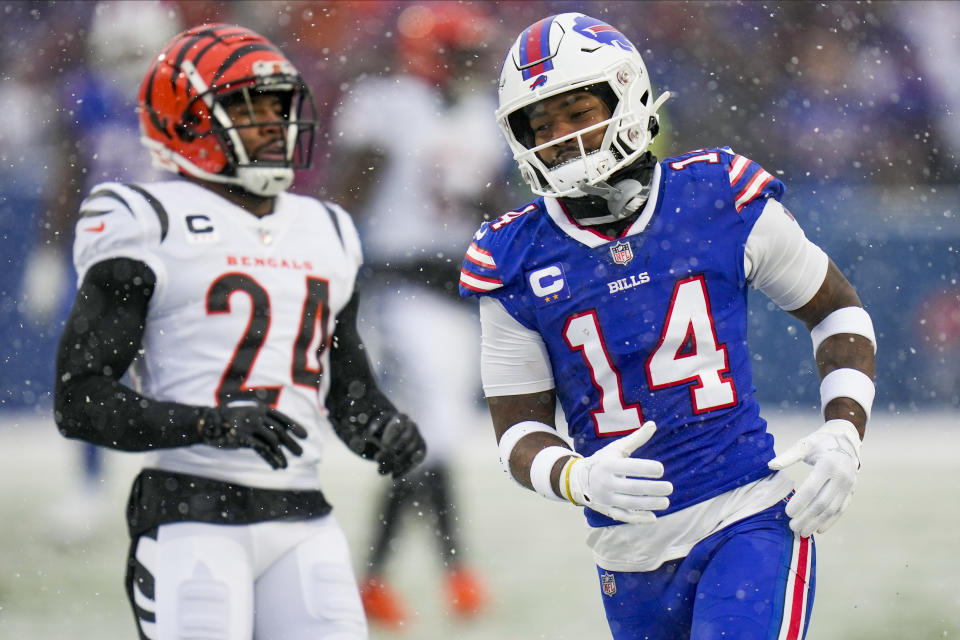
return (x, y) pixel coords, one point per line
(277, 580)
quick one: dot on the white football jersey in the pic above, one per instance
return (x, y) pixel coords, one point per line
(242, 305)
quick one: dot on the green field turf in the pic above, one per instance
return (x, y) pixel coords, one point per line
(889, 569)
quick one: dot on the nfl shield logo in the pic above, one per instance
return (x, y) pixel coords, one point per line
(622, 253)
(609, 584)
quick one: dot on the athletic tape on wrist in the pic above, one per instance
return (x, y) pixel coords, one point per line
(847, 383)
(854, 320)
(542, 467)
(512, 436)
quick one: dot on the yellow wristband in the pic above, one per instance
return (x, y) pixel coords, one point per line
(566, 479)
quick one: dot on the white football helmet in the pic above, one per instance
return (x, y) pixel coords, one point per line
(573, 51)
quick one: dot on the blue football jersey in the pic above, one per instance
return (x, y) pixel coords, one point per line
(651, 325)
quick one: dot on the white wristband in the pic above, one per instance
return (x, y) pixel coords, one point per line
(847, 383)
(542, 467)
(512, 436)
(854, 320)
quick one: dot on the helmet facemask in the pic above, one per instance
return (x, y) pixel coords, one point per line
(265, 178)
(625, 140)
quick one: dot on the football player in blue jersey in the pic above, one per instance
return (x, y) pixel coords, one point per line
(621, 292)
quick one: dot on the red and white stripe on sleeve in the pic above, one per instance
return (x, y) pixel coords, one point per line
(478, 271)
(747, 179)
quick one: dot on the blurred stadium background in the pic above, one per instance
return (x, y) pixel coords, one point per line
(854, 105)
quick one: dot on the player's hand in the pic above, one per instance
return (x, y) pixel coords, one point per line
(248, 423)
(392, 439)
(618, 486)
(834, 452)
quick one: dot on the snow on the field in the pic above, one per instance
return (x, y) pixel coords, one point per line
(888, 569)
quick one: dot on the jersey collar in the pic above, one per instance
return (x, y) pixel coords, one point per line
(589, 236)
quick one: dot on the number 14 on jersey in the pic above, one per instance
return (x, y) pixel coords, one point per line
(687, 352)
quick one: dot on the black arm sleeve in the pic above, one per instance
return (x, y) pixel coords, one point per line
(101, 338)
(354, 397)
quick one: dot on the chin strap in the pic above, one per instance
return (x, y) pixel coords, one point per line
(266, 182)
(623, 199)
(622, 195)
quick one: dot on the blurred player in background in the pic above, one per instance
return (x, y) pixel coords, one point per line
(416, 153)
(215, 327)
(621, 291)
(99, 122)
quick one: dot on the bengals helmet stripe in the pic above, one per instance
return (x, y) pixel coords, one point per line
(236, 55)
(186, 126)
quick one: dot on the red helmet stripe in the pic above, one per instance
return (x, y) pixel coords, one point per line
(535, 48)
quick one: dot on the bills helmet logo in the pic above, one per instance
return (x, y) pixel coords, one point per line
(622, 253)
(608, 583)
(601, 32)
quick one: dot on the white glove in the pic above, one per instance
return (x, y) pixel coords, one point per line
(834, 452)
(616, 485)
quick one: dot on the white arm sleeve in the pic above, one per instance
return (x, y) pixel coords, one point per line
(513, 359)
(779, 260)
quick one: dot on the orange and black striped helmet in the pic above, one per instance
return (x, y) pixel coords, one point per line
(186, 126)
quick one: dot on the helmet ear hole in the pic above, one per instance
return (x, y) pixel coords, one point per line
(185, 129)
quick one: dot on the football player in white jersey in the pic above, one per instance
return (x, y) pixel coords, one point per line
(621, 293)
(418, 205)
(214, 327)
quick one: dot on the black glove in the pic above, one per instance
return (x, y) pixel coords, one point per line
(391, 438)
(254, 425)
